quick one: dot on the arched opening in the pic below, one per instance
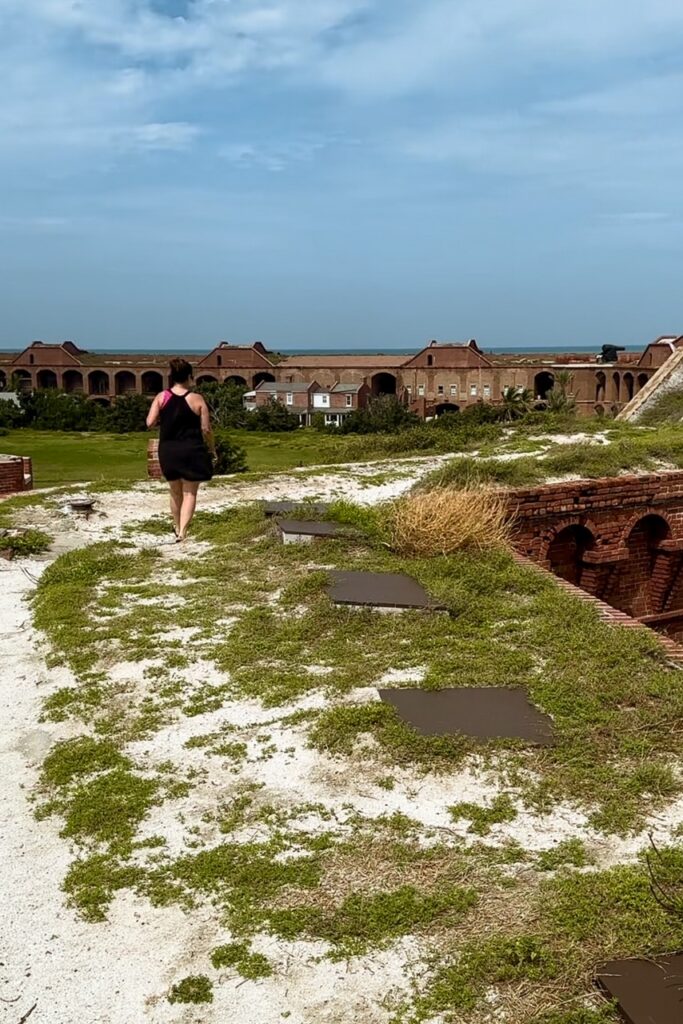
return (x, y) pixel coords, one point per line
(72, 381)
(446, 407)
(46, 379)
(599, 410)
(632, 590)
(629, 385)
(566, 552)
(383, 384)
(125, 383)
(239, 382)
(616, 386)
(152, 382)
(3, 381)
(21, 380)
(642, 380)
(600, 386)
(543, 383)
(259, 378)
(98, 383)
(615, 410)
(206, 378)
(103, 402)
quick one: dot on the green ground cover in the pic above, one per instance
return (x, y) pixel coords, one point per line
(60, 458)
(489, 916)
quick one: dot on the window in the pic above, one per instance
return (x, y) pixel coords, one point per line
(219, 360)
(324, 399)
(430, 360)
(487, 390)
(290, 398)
(473, 390)
(454, 390)
(409, 390)
(420, 389)
(349, 401)
(440, 389)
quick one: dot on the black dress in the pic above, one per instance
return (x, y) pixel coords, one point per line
(183, 455)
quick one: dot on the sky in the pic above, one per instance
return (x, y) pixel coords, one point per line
(340, 173)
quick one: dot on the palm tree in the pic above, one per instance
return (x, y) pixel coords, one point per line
(561, 399)
(517, 402)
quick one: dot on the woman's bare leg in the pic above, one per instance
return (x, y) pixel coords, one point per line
(176, 495)
(190, 488)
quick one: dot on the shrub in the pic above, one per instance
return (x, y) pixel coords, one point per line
(127, 414)
(57, 410)
(230, 457)
(273, 417)
(225, 404)
(383, 415)
(444, 521)
(11, 415)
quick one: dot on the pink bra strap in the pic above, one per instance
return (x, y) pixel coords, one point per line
(165, 397)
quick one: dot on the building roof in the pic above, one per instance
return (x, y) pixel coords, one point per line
(296, 387)
(345, 361)
(128, 358)
(340, 386)
(451, 355)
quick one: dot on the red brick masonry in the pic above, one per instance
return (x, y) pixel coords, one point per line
(619, 538)
(153, 467)
(16, 474)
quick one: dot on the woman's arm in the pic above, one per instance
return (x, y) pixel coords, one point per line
(153, 414)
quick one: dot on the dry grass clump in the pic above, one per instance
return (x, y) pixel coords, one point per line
(446, 520)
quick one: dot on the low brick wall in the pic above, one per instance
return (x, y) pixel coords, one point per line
(153, 467)
(619, 538)
(16, 474)
(609, 508)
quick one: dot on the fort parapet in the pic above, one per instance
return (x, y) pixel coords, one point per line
(440, 377)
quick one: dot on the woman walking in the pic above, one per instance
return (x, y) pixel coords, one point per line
(185, 442)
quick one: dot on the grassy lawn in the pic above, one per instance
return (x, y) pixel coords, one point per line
(60, 458)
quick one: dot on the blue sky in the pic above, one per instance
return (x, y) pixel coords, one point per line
(340, 172)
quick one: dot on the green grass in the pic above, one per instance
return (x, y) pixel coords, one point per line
(196, 988)
(69, 458)
(667, 409)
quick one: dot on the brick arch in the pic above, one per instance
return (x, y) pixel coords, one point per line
(637, 517)
(551, 534)
(639, 586)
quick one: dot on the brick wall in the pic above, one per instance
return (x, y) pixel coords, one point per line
(153, 467)
(620, 539)
(16, 474)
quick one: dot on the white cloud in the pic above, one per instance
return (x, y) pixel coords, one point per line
(273, 156)
(168, 135)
